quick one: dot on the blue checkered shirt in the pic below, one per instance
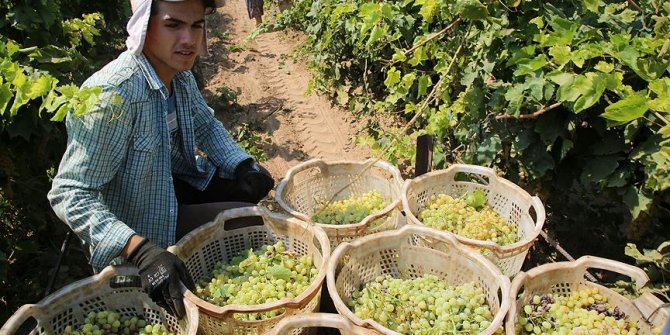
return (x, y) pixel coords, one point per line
(115, 178)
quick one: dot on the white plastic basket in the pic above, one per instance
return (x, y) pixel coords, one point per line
(70, 305)
(298, 193)
(509, 200)
(320, 320)
(202, 248)
(411, 252)
(562, 278)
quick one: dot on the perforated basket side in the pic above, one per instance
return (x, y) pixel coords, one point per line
(204, 247)
(412, 252)
(306, 184)
(513, 203)
(113, 289)
(564, 278)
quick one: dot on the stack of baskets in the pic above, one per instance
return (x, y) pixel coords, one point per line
(509, 200)
(202, 248)
(407, 253)
(305, 184)
(70, 305)
(564, 278)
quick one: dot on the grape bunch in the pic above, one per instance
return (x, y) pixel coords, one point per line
(584, 311)
(423, 305)
(111, 323)
(351, 210)
(258, 277)
(468, 216)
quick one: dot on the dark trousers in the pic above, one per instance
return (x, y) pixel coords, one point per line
(199, 207)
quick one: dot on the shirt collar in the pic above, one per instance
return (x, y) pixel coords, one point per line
(151, 76)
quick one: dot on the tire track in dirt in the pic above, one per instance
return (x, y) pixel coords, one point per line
(270, 82)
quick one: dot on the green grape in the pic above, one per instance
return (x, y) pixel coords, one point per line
(423, 305)
(455, 215)
(269, 274)
(351, 210)
(111, 323)
(584, 311)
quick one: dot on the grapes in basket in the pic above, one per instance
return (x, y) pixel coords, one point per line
(258, 277)
(423, 305)
(110, 323)
(468, 216)
(349, 211)
(584, 311)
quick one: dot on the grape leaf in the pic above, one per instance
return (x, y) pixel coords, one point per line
(627, 109)
(636, 201)
(280, 272)
(476, 199)
(596, 86)
(599, 168)
(471, 10)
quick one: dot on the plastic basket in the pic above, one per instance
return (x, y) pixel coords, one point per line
(304, 184)
(411, 252)
(70, 305)
(509, 200)
(562, 278)
(321, 320)
(202, 248)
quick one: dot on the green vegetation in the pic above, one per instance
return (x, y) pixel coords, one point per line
(568, 99)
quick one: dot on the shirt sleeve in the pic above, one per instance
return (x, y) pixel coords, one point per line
(215, 140)
(96, 148)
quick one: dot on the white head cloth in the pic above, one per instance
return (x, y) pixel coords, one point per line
(139, 22)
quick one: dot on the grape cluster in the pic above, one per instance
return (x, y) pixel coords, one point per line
(423, 305)
(267, 275)
(455, 215)
(111, 323)
(351, 210)
(584, 311)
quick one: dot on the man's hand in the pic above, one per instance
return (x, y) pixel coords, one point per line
(161, 272)
(254, 180)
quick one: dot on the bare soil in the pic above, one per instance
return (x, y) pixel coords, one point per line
(272, 88)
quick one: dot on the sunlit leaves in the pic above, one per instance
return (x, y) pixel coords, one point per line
(627, 109)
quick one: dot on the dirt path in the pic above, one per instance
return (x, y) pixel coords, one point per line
(272, 88)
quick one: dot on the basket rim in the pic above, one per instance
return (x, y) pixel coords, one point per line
(536, 203)
(579, 265)
(329, 320)
(95, 281)
(269, 222)
(321, 163)
(408, 230)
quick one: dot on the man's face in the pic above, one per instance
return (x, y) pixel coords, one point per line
(174, 37)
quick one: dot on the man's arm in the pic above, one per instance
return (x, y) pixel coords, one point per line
(212, 137)
(97, 144)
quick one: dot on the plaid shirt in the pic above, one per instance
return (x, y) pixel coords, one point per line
(115, 178)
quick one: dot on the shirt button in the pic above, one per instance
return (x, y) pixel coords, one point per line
(172, 211)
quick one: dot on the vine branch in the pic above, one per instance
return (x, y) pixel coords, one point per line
(436, 91)
(533, 115)
(432, 37)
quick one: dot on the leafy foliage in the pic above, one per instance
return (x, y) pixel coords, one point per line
(550, 93)
(47, 48)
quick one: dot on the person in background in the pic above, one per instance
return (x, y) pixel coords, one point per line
(150, 162)
(255, 10)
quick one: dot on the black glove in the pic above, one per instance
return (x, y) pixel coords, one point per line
(254, 181)
(161, 272)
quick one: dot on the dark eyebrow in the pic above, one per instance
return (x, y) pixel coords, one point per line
(175, 20)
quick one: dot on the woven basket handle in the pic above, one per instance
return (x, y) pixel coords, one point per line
(327, 320)
(28, 311)
(312, 163)
(476, 170)
(635, 273)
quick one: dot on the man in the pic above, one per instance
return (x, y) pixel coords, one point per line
(139, 163)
